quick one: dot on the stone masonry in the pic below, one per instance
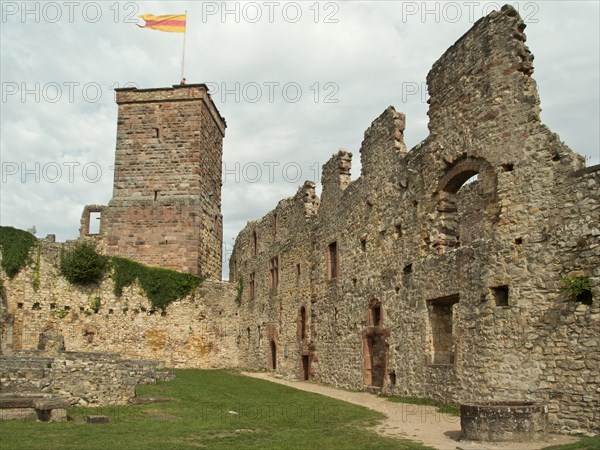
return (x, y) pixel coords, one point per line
(84, 379)
(439, 272)
(199, 331)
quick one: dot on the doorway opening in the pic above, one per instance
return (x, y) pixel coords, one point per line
(375, 359)
(305, 373)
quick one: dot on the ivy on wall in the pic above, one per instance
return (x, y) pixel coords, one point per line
(83, 264)
(161, 286)
(15, 245)
(240, 291)
(35, 281)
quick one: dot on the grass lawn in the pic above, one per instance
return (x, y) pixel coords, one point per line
(215, 410)
(592, 443)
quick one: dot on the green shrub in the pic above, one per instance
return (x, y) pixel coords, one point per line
(574, 286)
(95, 304)
(240, 290)
(161, 286)
(15, 246)
(578, 289)
(83, 264)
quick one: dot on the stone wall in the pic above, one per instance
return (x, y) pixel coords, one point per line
(166, 204)
(418, 279)
(85, 379)
(199, 331)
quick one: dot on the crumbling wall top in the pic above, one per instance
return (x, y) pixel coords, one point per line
(336, 175)
(484, 79)
(383, 143)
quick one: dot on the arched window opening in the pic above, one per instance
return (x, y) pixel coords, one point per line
(463, 194)
(470, 180)
(375, 315)
(459, 180)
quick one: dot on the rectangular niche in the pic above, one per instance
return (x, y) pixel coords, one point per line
(440, 321)
(500, 295)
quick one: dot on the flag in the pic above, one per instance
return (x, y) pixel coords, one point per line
(171, 24)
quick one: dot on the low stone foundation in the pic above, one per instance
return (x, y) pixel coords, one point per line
(503, 421)
(85, 379)
(44, 408)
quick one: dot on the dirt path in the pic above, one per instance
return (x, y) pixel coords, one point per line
(415, 422)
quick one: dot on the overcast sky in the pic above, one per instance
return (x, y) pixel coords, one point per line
(302, 79)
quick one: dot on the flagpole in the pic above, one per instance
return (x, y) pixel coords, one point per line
(183, 53)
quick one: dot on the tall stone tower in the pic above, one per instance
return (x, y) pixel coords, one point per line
(166, 204)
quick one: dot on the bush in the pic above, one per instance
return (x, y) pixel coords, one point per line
(15, 246)
(578, 288)
(83, 264)
(574, 286)
(95, 304)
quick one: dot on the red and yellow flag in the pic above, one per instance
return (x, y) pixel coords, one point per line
(171, 24)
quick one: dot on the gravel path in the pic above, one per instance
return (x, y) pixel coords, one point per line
(415, 422)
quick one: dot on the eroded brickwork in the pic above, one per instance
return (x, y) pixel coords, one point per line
(166, 205)
(419, 279)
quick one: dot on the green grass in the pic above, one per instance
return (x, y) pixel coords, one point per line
(269, 416)
(592, 443)
(444, 408)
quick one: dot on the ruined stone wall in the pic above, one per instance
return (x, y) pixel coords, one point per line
(199, 331)
(85, 379)
(166, 205)
(444, 286)
(284, 234)
(553, 338)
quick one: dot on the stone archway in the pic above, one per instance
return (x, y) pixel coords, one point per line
(446, 233)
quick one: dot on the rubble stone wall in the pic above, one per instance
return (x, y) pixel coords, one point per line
(198, 331)
(85, 379)
(418, 279)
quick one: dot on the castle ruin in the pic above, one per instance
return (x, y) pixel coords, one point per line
(440, 272)
(412, 281)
